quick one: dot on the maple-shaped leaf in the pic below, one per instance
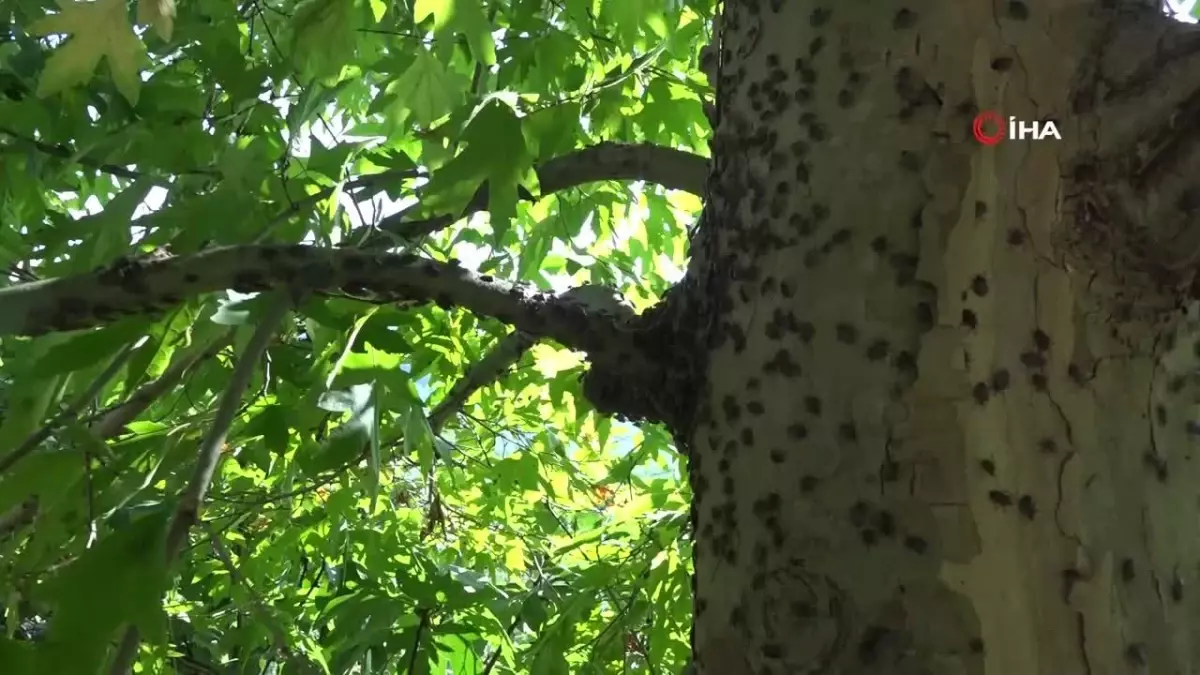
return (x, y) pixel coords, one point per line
(99, 29)
(157, 13)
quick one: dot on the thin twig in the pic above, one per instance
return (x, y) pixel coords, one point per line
(507, 351)
(66, 153)
(208, 456)
(416, 650)
(257, 604)
(112, 421)
(70, 413)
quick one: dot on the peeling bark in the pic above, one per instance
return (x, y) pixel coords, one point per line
(941, 430)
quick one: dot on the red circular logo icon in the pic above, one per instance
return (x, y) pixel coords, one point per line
(985, 117)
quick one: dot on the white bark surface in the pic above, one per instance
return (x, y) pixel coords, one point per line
(932, 440)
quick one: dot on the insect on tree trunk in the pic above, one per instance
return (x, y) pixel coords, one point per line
(947, 425)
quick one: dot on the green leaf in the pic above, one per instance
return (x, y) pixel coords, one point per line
(99, 30)
(418, 439)
(87, 349)
(323, 38)
(495, 152)
(427, 90)
(120, 579)
(348, 442)
(472, 24)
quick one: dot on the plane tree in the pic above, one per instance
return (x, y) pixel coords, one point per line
(933, 397)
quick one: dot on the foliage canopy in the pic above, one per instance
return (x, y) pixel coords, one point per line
(367, 515)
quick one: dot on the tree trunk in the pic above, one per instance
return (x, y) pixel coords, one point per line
(945, 428)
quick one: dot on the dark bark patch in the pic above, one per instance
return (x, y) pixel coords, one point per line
(1017, 10)
(847, 432)
(878, 350)
(1000, 498)
(806, 331)
(924, 316)
(871, 644)
(885, 522)
(1000, 380)
(846, 333)
(906, 363)
(890, 471)
(904, 19)
(969, 320)
(812, 404)
(1027, 507)
(979, 285)
(1136, 654)
(1040, 340)
(1127, 571)
(916, 544)
(905, 266)
(859, 513)
(1156, 464)
(988, 466)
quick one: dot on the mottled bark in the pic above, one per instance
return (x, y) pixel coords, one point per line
(943, 431)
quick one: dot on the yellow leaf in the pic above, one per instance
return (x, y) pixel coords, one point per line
(551, 360)
(98, 30)
(157, 13)
(514, 557)
(441, 10)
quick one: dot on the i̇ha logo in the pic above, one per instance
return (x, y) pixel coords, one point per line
(989, 129)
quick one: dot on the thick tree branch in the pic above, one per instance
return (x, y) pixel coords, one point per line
(634, 359)
(134, 287)
(672, 169)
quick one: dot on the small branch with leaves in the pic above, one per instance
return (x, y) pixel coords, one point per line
(187, 513)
